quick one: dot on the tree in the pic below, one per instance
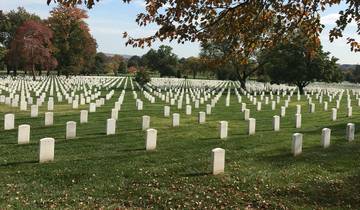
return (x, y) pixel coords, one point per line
(294, 64)
(76, 48)
(258, 22)
(135, 61)
(162, 60)
(113, 64)
(9, 23)
(99, 63)
(353, 75)
(191, 65)
(123, 67)
(227, 65)
(32, 47)
(142, 76)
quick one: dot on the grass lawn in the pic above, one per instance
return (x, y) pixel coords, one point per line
(99, 171)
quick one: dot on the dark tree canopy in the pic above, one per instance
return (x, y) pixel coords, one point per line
(294, 64)
(162, 60)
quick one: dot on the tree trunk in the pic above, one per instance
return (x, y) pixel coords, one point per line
(243, 84)
(301, 89)
(58, 72)
(33, 72)
(15, 71)
(48, 73)
(7, 70)
(194, 74)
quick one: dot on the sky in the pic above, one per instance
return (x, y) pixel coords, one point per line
(110, 18)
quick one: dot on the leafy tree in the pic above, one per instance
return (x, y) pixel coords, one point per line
(227, 65)
(142, 76)
(122, 67)
(2, 57)
(135, 61)
(294, 63)
(162, 60)
(76, 49)
(32, 47)
(258, 22)
(113, 64)
(353, 75)
(99, 63)
(191, 65)
(9, 23)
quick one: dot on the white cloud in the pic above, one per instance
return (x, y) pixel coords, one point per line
(331, 19)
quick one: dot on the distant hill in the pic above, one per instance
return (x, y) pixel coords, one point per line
(124, 56)
(345, 67)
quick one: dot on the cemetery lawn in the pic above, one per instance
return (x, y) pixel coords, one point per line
(99, 171)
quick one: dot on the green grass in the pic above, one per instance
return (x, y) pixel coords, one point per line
(99, 171)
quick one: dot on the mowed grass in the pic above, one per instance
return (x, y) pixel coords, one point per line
(99, 171)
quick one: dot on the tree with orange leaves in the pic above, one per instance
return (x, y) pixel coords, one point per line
(256, 22)
(76, 48)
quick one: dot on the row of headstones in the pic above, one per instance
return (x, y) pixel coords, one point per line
(47, 145)
(40, 100)
(218, 154)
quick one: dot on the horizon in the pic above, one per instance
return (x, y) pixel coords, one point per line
(110, 18)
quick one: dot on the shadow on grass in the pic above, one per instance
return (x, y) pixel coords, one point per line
(196, 174)
(18, 163)
(338, 130)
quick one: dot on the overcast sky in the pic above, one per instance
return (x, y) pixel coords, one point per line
(110, 18)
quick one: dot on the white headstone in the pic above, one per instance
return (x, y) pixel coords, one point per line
(349, 111)
(188, 109)
(151, 137)
(92, 107)
(325, 137)
(166, 111)
(218, 161)
(47, 147)
(282, 111)
(208, 109)
(246, 114)
(49, 118)
(34, 111)
(334, 114)
(23, 134)
(84, 116)
(297, 139)
(70, 130)
(114, 114)
(176, 120)
(252, 126)
(297, 120)
(276, 123)
(350, 131)
(223, 129)
(201, 117)
(9, 121)
(110, 126)
(145, 122)
(298, 109)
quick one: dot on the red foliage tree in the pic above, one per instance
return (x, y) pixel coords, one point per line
(32, 48)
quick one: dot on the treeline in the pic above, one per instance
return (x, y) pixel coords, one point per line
(292, 62)
(352, 74)
(62, 42)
